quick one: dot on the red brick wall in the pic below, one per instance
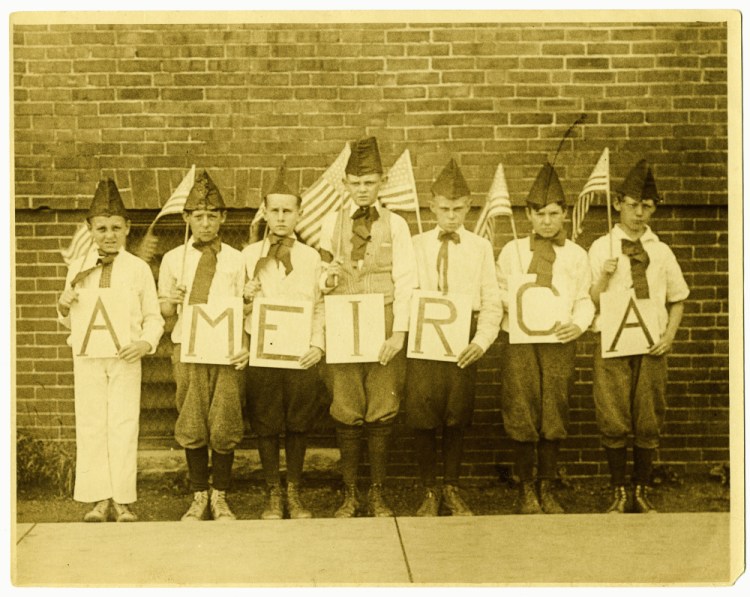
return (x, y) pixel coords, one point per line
(144, 102)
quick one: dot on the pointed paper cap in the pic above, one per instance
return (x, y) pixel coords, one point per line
(546, 188)
(450, 183)
(279, 186)
(107, 201)
(365, 158)
(204, 194)
(639, 183)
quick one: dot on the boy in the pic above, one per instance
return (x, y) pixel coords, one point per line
(108, 390)
(630, 392)
(441, 394)
(537, 377)
(377, 257)
(284, 400)
(208, 396)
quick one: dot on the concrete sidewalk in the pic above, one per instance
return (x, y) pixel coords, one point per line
(575, 548)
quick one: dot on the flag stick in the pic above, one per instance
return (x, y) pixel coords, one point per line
(184, 253)
(83, 261)
(609, 221)
(515, 238)
(419, 218)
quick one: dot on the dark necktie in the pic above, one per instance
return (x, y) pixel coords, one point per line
(280, 250)
(544, 257)
(639, 261)
(204, 273)
(104, 261)
(442, 259)
(362, 220)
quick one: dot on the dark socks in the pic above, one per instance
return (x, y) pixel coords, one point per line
(547, 451)
(453, 449)
(643, 460)
(268, 448)
(349, 438)
(197, 463)
(221, 468)
(295, 445)
(425, 446)
(525, 456)
(617, 459)
(378, 437)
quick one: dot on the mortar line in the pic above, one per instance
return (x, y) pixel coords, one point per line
(403, 551)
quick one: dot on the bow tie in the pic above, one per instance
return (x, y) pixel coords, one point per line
(558, 239)
(444, 236)
(214, 245)
(368, 211)
(105, 258)
(280, 250)
(634, 249)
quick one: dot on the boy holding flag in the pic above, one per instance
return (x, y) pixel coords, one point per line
(630, 391)
(537, 377)
(108, 390)
(208, 396)
(284, 400)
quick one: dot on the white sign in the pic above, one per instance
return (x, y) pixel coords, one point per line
(439, 325)
(355, 328)
(212, 333)
(279, 332)
(100, 323)
(628, 325)
(534, 312)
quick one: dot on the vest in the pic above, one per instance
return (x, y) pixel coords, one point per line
(375, 275)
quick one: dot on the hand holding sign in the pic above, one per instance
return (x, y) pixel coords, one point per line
(469, 355)
(67, 298)
(311, 357)
(391, 347)
(134, 352)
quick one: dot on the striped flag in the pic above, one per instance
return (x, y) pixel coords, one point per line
(176, 203)
(80, 244)
(400, 192)
(326, 194)
(498, 204)
(598, 182)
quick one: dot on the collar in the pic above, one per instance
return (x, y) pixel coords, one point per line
(648, 236)
(461, 231)
(559, 239)
(354, 207)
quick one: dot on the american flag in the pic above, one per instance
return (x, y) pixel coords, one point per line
(400, 192)
(498, 204)
(176, 203)
(326, 194)
(598, 182)
(79, 245)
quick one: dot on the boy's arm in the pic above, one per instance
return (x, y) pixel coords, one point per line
(68, 296)
(583, 305)
(601, 269)
(317, 338)
(168, 292)
(664, 345)
(153, 322)
(491, 306)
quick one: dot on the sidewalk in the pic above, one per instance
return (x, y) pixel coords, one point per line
(664, 548)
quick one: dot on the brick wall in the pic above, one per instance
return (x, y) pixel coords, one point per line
(142, 103)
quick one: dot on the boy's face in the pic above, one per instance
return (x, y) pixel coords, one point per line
(204, 223)
(364, 189)
(450, 213)
(548, 220)
(634, 214)
(282, 214)
(109, 232)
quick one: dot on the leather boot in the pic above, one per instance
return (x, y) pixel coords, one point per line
(547, 499)
(528, 502)
(455, 503)
(349, 506)
(641, 503)
(376, 505)
(619, 503)
(274, 509)
(430, 504)
(294, 503)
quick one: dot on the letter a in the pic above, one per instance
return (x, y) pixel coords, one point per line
(99, 308)
(624, 324)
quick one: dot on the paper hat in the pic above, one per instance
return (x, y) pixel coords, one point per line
(546, 188)
(365, 158)
(279, 186)
(107, 201)
(204, 194)
(450, 183)
(639, 183)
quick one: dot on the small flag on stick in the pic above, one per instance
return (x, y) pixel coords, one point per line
(400, 192)
(79, 245)
(325, 195)
(498, 204)
(598, 182)
(176, 203)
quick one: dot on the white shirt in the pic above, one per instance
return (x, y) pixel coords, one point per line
(471, 270)
(133, 278)
(404, 273)
(228, 281)
(301, 283)
(570, 276)
(666, 284)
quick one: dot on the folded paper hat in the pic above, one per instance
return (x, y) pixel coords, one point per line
(364, 158)
(546, 188)
(451, 183)
(639, 183)
(204, 194)
(279, 186)
(107, 201)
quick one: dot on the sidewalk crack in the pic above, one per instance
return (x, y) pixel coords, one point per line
(403, 551)
(22, 537)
